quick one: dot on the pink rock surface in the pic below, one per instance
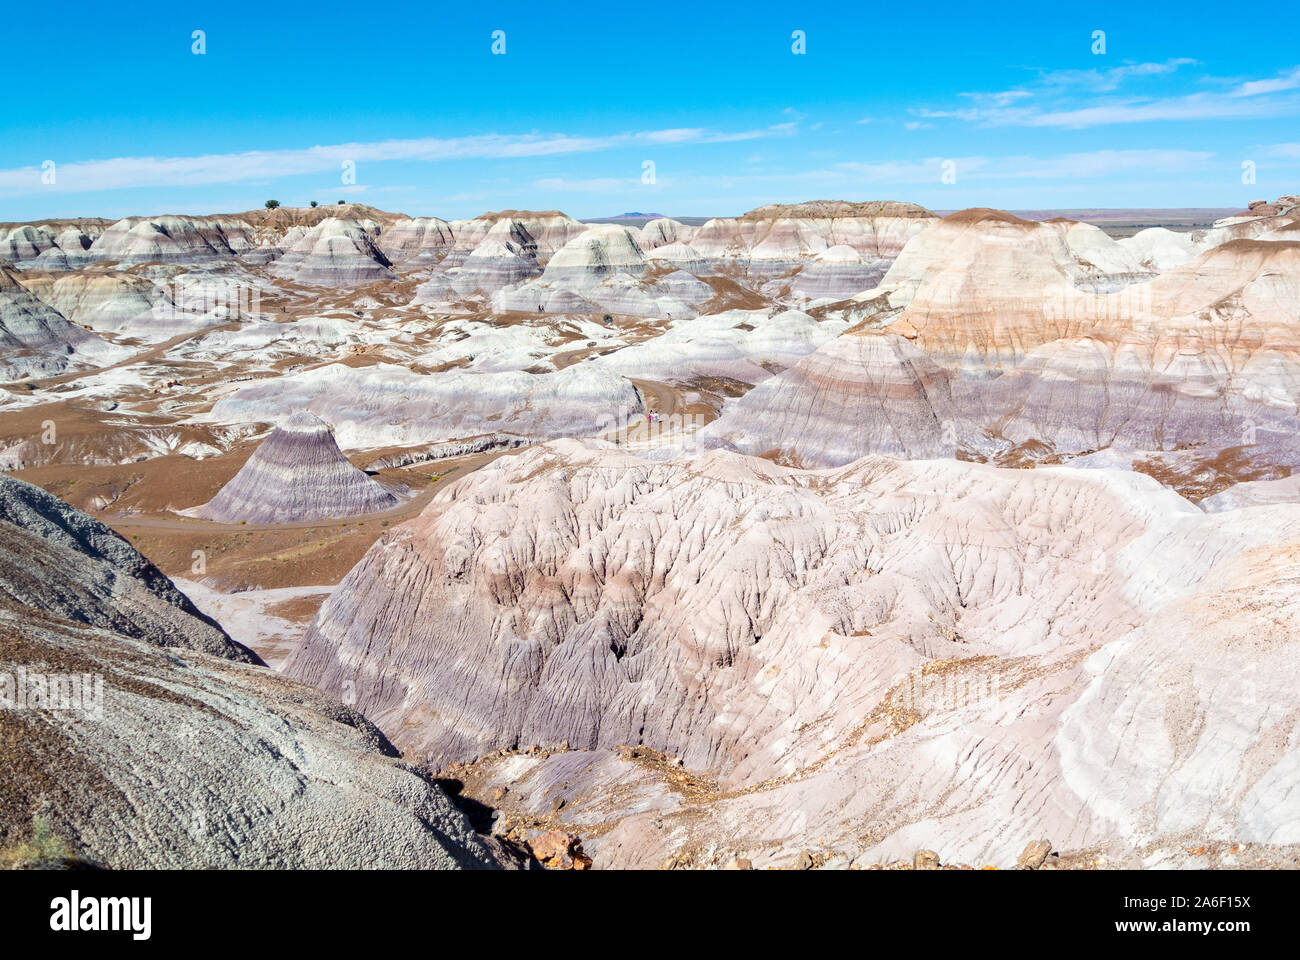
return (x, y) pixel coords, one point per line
(956, 655)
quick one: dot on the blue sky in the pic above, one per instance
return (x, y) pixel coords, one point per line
(585, 95)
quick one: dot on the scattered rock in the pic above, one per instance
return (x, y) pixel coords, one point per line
(1032, 857)
(558, 850)
(925, 860)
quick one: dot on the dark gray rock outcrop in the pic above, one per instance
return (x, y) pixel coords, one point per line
(135, 733)
(65, 563)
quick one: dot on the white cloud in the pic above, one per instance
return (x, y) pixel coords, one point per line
(1002, 98)
(1055, 107)
(1276, 151)
(1106, 80)
(127, 172)
(1067, 166)
(1191, 107)
(927, 170)
(991, 176)
(1286, 81)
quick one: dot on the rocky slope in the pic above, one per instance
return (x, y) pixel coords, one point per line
(776, 239)
(182, 753)
(334, 252)
(418, 242)
(853, 395)
(495, 251)
(70, 566)
(742, 639)
(55, 244)
(746, 346)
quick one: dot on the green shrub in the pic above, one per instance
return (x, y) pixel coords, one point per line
(45, 850)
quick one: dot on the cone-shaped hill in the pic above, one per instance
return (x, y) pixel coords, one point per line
(298, 473)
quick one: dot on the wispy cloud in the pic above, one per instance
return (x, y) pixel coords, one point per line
(254, 165)
(1056, 100)
(1191, 107)
(852, 177)
(1102, 81)
(1058, 83)
(1066, 166)
(1001, 98)
(1286, 81)
(1276, 151)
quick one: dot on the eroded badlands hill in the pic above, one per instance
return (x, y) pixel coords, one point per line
(1036, 340)
(858, 530)
(907, 654)
(297, 473)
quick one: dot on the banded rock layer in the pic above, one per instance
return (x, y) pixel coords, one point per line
(604, 268)
(296, 473)
(334, 252)
(386, 405)
(854, 395)
(1205, 354)
(36, 339)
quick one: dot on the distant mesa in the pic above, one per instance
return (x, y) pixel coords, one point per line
(989, 215)
(297, 473)
(624, 217)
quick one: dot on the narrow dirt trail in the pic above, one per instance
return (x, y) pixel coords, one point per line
(667, 398)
